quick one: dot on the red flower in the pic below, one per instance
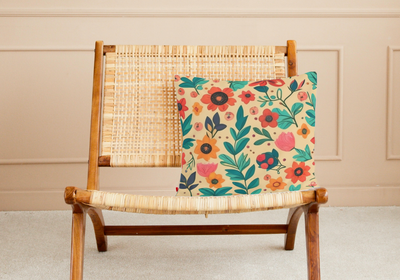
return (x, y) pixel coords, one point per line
(247, 96)
(217, 98)
(182, 107)
(259, 83)
(268, 118)
(313, 140)
(298, 172)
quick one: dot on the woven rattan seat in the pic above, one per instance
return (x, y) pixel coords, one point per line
(135, 123)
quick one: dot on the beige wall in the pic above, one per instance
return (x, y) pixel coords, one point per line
(46, 61)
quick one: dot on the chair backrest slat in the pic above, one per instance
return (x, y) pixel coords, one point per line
(140, 124)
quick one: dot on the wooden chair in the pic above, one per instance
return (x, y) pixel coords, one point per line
(119, 138)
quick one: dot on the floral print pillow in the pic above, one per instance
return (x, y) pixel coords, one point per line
(246, 137)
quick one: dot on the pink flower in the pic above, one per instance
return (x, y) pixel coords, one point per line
(181, 91)
(313, 184)
(177, 78)
(254, 110)
(302, 96)
(285, 141)
(193, 94)
(198, 126)
(206, 169)
(229, 116)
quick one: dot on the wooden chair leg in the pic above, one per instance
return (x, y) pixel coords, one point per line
(98, 223)
(292, 222)
(78, 241)
(312, 240)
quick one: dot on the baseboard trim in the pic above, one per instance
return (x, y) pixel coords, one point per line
(338, 196)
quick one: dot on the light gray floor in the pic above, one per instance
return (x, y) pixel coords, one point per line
(356, 243)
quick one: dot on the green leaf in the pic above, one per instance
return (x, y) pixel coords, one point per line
(243, 132)
(229, 148)
(312, 76)
(234, 175)
(266, 134)
(239, 185)
(187, 143)
(311, 117)
(256, 191)
(186, 80)
(250, 172)
(241, 191)
(186, 125)
(303, 155)
(297, 107)
(294, 188)
(254, 183)
(207, 192)
(243, 162)
(261, 88)
(186, 85)
(241, 144)
(241, 120)
(233, 133)
(237, 85)
(314, 100)
(227, 159)
(261, 141)
(223, 191)
(285, 119)
(257, 130)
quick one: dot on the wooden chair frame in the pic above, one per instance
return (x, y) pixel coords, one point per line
(79, 199)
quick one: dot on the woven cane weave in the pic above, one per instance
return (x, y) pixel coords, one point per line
(140, 116)
(196, 205)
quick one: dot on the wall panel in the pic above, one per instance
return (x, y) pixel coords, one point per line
(46, 74)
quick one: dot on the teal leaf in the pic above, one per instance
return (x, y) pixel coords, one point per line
(254, 183)
(239, 185)
(237, 85)
(266, 134)
(263, 104)
(241, 144)
(257, 130)
(227, 159)
(207, 192)
(223, 191)
(241, 120)
(187, 143)
(314, 100)
(285, 119)
(186, 80)
(243, 132)
(273, 97)
(186, 85)
(243, 162)
(261, 141)
(197, 80)
(256, 191)
(303, 155)
(233, 133)
(312, 76)
(294, 188)
(297, 107)
(199, 87)
(229, 148)
(241, 191)
(186, 125)
(234, 175)
(250, 172)
(311, 117)
(261, 88)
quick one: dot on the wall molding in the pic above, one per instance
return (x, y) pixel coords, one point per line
(339, 130)
(390, 97)
(274, 13)
(43, 161)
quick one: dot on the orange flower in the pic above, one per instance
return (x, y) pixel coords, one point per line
(303, 131)
(215, 180)
(217, 98)
(206, 148)
(275, 184)
(197, 108)
(298, 172)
